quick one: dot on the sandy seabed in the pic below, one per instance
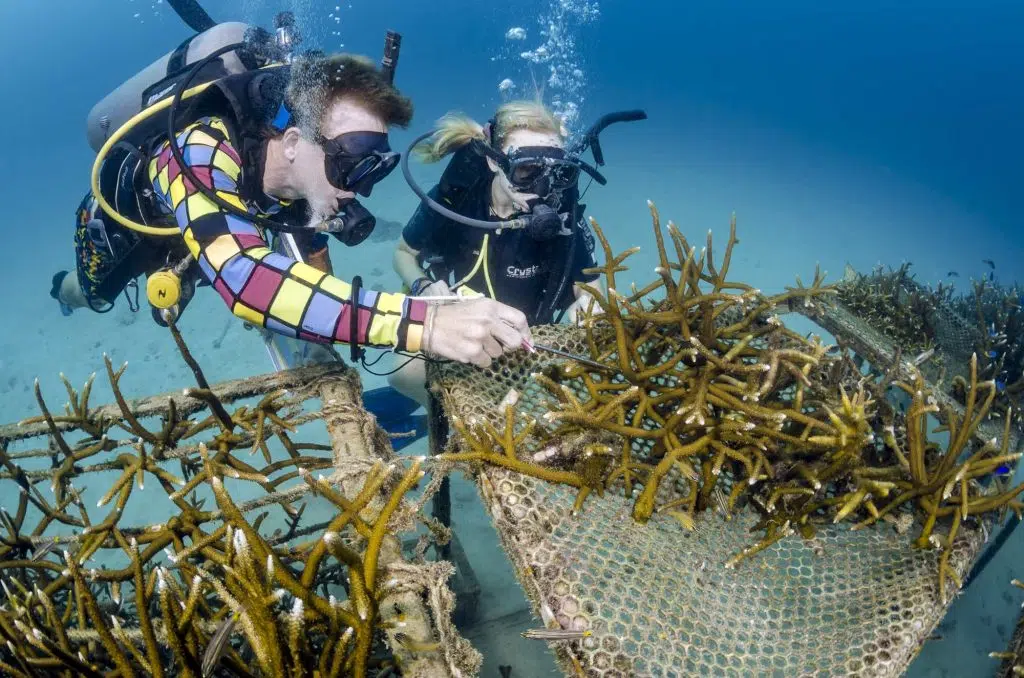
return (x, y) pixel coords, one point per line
(37, 342)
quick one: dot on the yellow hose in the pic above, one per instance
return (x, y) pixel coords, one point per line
(114, 139)
(481, 261)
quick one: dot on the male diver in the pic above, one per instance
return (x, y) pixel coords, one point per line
(248, 147)
(504, 220)
(110, 258)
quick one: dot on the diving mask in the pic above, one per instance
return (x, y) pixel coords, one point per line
(540, 170)
(355, 161)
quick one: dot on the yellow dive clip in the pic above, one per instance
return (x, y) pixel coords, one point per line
(465, 292)
(163, 289)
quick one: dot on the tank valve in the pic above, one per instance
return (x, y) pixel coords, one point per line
(287, 35)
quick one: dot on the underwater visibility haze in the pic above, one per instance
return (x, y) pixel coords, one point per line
(871, 146)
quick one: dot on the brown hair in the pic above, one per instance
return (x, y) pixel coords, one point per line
(318, 81)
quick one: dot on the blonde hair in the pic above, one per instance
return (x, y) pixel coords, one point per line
(455, 130)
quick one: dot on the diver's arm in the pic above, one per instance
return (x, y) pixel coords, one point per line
(415, 278)
(423, 232)
(405, 264)
(257, 284)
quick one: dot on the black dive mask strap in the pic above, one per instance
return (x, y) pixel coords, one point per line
(488, 151)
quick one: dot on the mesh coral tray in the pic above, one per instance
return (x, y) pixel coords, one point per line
(657, 599)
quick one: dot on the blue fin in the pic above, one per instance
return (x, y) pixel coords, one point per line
(394, 413)
(416, 424)
(388, 405)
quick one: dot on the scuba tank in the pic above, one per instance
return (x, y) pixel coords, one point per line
(157, 80)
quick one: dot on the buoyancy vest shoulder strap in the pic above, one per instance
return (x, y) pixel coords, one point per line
(248, 101)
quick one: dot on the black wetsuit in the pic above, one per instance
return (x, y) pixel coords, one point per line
(110, 256)
(524, 273)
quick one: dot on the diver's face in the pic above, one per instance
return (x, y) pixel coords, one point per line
(341, 117)
(518, 139)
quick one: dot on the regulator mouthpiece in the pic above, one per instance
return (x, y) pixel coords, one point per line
(351, 225)
(545, 223)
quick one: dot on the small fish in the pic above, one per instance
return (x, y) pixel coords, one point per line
(407, 643)
(952, 274)
(556, 634)
(1000, 385)
(1003, 470)
(924, 357)
(991, 276)
(218, 644)
(993, 354)
(720, 500)
(41, 551)
(991, 264)
(505, 671)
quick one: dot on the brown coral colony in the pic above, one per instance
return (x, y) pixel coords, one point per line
(707, 404)
(706, 384)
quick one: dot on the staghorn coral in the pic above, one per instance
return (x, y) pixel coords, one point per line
(709, 402)
(1012, 659)
(999, 343)
(902, 309)
(332, 598)
(986, 321)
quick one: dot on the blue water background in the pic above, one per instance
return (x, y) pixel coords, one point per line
(840, 132)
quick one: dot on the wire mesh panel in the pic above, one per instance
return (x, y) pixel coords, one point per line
(696, 489)
(656, 600)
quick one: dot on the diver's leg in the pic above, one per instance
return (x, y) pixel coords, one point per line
(321, 260)
(411, 381)
(69, 291)
(313, 248)
(100, 273)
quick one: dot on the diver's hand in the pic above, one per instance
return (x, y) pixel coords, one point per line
(583, 307)
(475, 331)
(438, 288)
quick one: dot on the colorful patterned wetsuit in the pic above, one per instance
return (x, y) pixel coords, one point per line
(259, 285)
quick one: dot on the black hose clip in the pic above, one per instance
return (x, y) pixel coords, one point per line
(358, 353)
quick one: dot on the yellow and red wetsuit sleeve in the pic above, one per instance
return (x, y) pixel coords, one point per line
(259, 285)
